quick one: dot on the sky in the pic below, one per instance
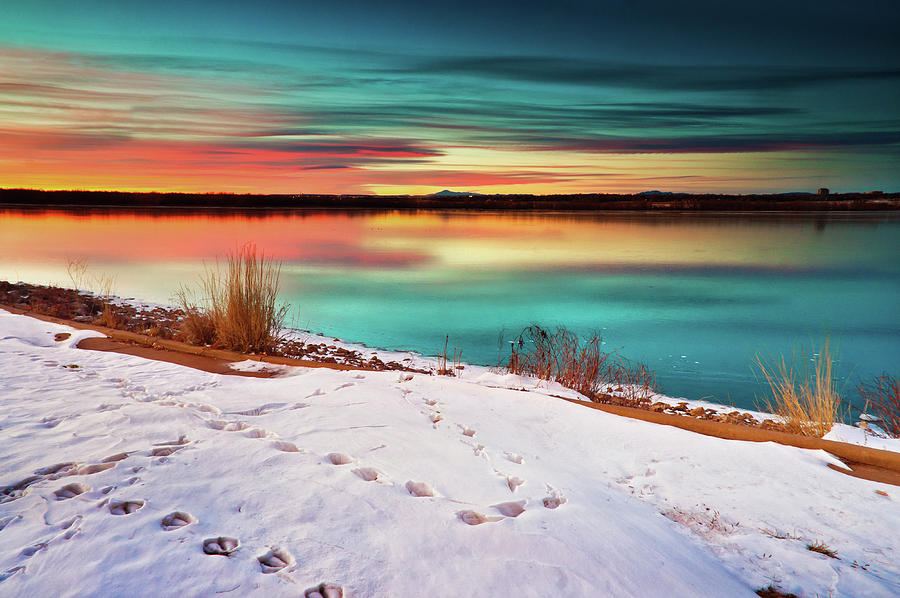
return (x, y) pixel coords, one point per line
(387, 97)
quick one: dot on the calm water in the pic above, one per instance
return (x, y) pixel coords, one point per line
(695, 296)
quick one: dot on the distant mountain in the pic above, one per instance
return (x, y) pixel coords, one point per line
(448, 193)
(655, 192)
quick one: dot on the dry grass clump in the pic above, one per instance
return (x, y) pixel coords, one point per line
(99, 293)
(883, 396)
(561, 357)
(239, 308)
(822, 548)
(804, 398)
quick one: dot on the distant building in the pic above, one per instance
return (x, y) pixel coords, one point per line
(823, 191)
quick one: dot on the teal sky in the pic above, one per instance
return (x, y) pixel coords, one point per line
(348, 97)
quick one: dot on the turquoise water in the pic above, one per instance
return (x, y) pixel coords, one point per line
(695, 296)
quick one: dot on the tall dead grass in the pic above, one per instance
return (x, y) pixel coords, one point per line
(561, 357)
(804, 397)
(883, 396)
(239, 307)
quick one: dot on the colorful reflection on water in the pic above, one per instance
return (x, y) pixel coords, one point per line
(696, 296)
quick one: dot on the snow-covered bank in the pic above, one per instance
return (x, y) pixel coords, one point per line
(330, 473)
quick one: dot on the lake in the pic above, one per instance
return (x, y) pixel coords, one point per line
(696, 296)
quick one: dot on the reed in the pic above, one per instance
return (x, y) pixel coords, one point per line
(805, 398)
(883, 396)
(240, 309)
(561, 357)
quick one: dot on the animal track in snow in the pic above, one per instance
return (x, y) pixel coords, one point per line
(430, 402)
(220, 546)
(345, 385)
(367, 473)
(258, 433)
(339, 459)
(466, 431)
(511, 509)
(286, 447)
(71, 491)
(325, 590)
(474, 518)
(419, 488)
(177, 519)
(125, 507)
(115, 458)
(275, 560)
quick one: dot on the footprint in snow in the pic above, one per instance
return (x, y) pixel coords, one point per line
(419, 489)
(182, 440)
(218, 424)
(554, 502)
(95, 468)
(57, 468)
(275, 560)
(515, 458)
(511, 509)
(286, 447)
(17, 490)
(30, 551)
(258, 433)
(177, 519)
(10, 572)
(164, 451)
(70, 522)
(339, 459)
(325, 590)
(367, 473)
(474, 518)
(71, 491)
(514, 482)
(466, 431)
(5, 521)
(430, 402)
(345, 385)
(222, 545)
(262, 410)
(115, 458)
(125, 507)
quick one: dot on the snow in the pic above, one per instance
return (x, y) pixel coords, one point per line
(396, 484)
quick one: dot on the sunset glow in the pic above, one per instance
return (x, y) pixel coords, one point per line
(175, 98)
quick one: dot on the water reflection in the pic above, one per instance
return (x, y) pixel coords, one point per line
(694, 295)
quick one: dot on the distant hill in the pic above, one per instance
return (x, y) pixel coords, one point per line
(655, 192)
(449, 193)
